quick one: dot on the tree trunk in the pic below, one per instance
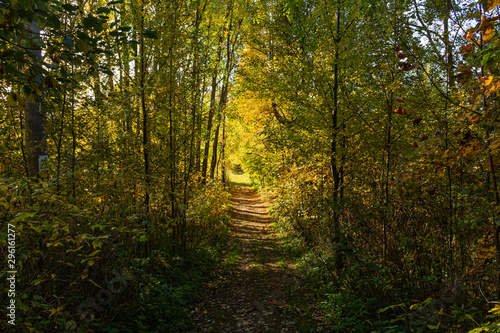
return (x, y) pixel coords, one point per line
(339, 262)
(145, 129)
(388, 143)
(34, 120)
(61, 133)
(449, 84)
(223, 148)
(214, 151)
(211, 113)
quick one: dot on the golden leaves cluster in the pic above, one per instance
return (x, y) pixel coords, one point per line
(491, 4)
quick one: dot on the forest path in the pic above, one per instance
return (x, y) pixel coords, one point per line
(251, 289)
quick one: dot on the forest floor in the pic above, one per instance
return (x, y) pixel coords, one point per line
(255, 289)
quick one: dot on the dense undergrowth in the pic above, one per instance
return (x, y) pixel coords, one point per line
(93, 265)
(370, 293)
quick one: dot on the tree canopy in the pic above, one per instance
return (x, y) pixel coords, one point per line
(371, 124)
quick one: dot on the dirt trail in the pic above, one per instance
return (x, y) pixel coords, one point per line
(250, 292)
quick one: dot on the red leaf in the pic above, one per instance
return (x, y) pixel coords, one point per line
(401, 110)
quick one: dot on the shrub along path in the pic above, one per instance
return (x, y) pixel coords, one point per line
(253, 290)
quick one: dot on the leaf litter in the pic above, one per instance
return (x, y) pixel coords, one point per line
(249, 290)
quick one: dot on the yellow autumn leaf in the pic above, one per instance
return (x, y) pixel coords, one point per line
(486, 80)
(95, 284)
(37, 282)
(475, 119)
(414, 306)
(491, 4)
(489, 33)
(495, 309)
(11, 101)
(74, 250)
(494, 87)
(53, 311)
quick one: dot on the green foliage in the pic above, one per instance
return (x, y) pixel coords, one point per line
(79, 269)
(373, 125)
(381, 154)
(490, 325)
(167, 287)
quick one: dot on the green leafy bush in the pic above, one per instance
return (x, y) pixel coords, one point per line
(79, 267)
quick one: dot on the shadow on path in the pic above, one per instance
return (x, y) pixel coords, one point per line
(249, 294)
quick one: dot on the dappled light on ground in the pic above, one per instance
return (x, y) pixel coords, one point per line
(249, 294)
